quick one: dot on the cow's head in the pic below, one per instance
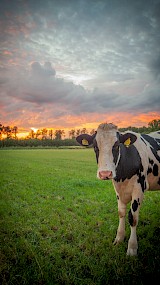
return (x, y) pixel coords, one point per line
(109, 146)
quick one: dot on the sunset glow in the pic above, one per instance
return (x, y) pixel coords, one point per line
(75, 64)
(34, 129)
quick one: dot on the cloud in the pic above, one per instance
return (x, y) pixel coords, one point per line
(43, 71)
(111, 48)
(149, 100)
(155, 68)
(40, 86)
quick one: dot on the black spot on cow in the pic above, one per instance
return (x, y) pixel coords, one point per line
(135, 205)
(143, 140)
(115, 151)
(117, 197)
(142, 181)
(155, 169)
(151, 161)
(154, 144)
(149, 170)
(130, 217)
(96, 149)
(129, 163)
(150, 167)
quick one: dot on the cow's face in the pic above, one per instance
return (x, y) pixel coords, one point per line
(111, 149)
(106, 138)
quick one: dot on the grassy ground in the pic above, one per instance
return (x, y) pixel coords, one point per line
(58, 223)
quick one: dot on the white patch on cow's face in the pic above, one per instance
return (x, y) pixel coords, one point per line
(105, 140)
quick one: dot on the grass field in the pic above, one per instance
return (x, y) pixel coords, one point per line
(58, 222)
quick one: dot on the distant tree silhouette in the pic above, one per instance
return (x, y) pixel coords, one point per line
(72, 133)
(8, 132)
(78, 132)
(15, 131)
(32, 134)
(51, 133)
(83, 131)
(1, 130)
(154, 124)
(44, 133)
(58, 134)
(37, 134)
(92, 131)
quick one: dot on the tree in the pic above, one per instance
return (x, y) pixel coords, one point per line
(32, 134)
(15, 131)
(154, 125)
(83, 131)
(8, 132)
(58, 134)
(37, 133)
(44, 133)
(51, 134)
(92, 132)
(1, 130)
(78, 132)
(72, 133)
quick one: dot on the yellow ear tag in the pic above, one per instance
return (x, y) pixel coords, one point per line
(85, 142)
(127, 142)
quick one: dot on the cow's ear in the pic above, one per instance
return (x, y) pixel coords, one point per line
(85, 139)
(127, 139)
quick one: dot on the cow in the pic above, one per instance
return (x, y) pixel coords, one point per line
(132, 161)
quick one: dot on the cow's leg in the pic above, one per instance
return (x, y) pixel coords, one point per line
(133, 216)
(121, 228)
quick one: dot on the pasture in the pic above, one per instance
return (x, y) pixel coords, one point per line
(58, 222)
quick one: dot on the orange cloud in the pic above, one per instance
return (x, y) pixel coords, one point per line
(119, 119)
(7, 52)
(88, 121)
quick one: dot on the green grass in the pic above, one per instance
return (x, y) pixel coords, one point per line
(58, 222)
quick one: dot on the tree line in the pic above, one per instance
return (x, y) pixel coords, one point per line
(153, 126)
(49, 138)
(11, 133)
(57, 134)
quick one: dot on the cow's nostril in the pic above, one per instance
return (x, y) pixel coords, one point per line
(101, 176)
(104, 175)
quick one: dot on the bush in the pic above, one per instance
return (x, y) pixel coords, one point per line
(38, 143)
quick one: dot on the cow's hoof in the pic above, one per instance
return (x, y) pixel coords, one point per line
(118, 240)
(132, 251)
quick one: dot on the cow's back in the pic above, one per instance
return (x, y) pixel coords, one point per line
(152, 146)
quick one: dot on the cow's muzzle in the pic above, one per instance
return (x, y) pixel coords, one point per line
(105, 175)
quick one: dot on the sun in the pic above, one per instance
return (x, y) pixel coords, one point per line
(79, 79)
(34, 129)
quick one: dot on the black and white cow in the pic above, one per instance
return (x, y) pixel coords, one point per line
(132, 161)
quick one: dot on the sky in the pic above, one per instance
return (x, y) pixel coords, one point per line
(68, 64)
